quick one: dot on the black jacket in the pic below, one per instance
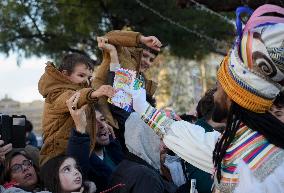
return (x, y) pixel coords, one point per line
(139, 177)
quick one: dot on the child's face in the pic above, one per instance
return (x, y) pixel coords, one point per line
(80, 74)
(146, 60)
(69, 176)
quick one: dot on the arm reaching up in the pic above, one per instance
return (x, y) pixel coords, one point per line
(187, 140)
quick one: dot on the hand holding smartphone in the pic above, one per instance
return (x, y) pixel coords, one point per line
(12, 130)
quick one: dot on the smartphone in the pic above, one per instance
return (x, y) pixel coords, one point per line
(18, 138)
(12, 130)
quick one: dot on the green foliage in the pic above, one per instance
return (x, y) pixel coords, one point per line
(52, 28)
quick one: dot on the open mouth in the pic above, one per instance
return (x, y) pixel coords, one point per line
(28, 176)
(103, 135)
(102, 131)
(78, 180)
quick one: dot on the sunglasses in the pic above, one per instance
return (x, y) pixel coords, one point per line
(19, 167)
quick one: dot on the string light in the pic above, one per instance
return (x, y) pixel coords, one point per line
(221, 45)
(222, 17)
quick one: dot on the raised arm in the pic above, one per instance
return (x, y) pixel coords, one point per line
(87, 95)
(187, 140)
(123, 38)
(132, 39)
(109, 48)
(79, 141)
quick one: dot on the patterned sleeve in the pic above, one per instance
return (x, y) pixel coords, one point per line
(187, 140)
(157, 120)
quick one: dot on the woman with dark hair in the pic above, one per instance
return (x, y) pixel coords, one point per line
(20, 173)
(61, 174)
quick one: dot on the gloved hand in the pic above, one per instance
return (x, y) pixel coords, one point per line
(140, 104)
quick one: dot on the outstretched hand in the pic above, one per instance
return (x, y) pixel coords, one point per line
(103, 44)
(151, 42)
(78, 115)
(104, 90)
(140, 104)
(111, 49)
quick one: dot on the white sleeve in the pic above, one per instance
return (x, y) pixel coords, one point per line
(192, 144)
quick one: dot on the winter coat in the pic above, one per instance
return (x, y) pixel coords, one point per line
(129, 55)
(56, 120)
(139, 177)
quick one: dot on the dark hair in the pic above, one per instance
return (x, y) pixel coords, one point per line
(264, 123)
(205, 106)
(151, 100)
(6, 174)
(279, 101)
(49, 173)
(69, 62)
(188, 118)
(28, 126)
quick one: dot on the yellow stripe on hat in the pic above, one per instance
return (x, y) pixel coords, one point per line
(238, 94)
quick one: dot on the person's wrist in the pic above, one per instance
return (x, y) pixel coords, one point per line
(113, 53)
(142, 39)
(94, 94)
(113, 56)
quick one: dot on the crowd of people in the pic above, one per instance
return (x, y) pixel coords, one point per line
(234, 144)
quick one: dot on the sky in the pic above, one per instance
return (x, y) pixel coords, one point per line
(20, 82)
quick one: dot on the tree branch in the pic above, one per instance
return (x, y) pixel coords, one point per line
(43, 38)
(31, 36)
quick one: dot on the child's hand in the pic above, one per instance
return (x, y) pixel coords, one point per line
(103, 44)
(151, 42)
(104, 90)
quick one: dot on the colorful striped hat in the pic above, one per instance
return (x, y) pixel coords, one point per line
(252, 74)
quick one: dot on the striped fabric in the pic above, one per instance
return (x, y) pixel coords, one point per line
(277, 56)
(249, 146)
(157, 120)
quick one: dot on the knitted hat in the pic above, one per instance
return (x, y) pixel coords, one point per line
(252, 74)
